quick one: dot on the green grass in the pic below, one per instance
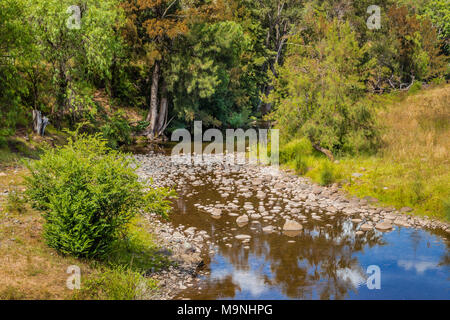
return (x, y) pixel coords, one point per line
(137, 250)
(419, 185)
(116, 283)
(121, 276)
(411, 168)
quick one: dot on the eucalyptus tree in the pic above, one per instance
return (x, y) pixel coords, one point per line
(78, 40)
(15, 42)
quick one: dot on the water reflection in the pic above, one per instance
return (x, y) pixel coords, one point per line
(326, 260)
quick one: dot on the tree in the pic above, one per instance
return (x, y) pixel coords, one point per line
(15, 42)
(77, 53)
(203, 73)
(152, 29)
(438, 11)
(320, 91)
(276, 18)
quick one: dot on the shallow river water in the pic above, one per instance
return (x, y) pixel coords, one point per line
(325, 260)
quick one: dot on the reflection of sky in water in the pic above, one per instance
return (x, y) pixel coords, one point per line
(409, 270)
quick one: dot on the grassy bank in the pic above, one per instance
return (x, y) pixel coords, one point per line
(32, 270)
(412, 167)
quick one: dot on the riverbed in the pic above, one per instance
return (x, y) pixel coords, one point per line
(337, 247)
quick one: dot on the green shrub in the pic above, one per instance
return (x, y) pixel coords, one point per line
(447, 209)
(415, 87)
(295, 148)
(117, 131)
(326, 174)
(88, 193)
(300, 165)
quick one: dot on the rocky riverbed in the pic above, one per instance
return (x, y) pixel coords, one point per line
(253, 199)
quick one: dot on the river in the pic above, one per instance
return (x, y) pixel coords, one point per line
(331, 257)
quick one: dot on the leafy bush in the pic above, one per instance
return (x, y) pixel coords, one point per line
(295, 148)
(447, 209)
(117, 131)
(88, 193)
(320, 92)
(415, 87)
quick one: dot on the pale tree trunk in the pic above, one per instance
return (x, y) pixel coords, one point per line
(163, 110)
(39, 122)
(153, 112)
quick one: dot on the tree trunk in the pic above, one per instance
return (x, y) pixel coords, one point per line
(39, 122)
(163, 106)
(326, 152)
(153, 112)
(61, 97)
(266, 107)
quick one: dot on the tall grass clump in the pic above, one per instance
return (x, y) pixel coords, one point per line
(295, 150)
(327, 176)
(15, 201)
(87, 194)
(117, 283)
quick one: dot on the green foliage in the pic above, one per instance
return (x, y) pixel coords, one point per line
(415, 87)
(294, 148)
(15, 201)
(438, 11)
(326, 174)
(320, 92)
(447, 209)
(117, 131)
(300, 165)
(15, 42)
(77, 56)
(88, 193)
(204, 76)
(117, 283)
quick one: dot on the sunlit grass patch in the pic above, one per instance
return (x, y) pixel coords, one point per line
(412, 168)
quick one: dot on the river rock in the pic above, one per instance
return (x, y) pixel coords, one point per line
(291, 225)
(384, 226)
(366, 227)
(242, 219)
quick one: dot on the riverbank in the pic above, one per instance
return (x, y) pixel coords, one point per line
(410, 170)
(240, 213)
(154, 262)
(176, 254)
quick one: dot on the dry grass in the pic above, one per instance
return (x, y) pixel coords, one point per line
(28, 268)
(419, 127)
(413, 167)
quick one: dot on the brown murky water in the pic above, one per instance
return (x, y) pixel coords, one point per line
(326, 260)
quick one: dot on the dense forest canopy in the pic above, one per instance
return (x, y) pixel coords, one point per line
(310, 67)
